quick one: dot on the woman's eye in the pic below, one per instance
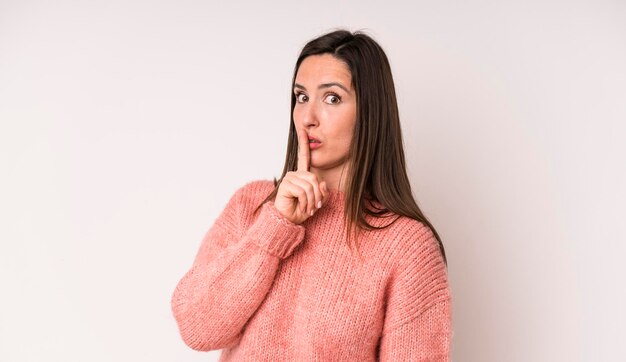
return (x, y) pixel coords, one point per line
(333, 99)
(301, 97)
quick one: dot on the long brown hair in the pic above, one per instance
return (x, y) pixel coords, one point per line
(376, 155)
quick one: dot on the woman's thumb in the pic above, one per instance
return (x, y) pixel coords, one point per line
(324, 190)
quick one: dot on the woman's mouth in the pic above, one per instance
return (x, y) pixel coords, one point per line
(313, 144)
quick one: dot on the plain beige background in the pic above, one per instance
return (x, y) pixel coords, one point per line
(127, 125)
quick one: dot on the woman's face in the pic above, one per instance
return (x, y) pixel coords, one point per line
(326, 110)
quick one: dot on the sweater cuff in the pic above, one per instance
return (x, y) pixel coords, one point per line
(274, 233)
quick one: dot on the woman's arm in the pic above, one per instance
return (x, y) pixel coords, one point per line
(425, 338)
(232, 273)
(418, 318)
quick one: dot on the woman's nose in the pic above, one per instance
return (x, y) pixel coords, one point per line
(310, 116)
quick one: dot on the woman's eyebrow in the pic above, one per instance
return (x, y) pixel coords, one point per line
(324, 85)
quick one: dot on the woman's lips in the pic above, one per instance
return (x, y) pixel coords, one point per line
(314, 145)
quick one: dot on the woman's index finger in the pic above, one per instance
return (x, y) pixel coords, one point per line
(303, 151)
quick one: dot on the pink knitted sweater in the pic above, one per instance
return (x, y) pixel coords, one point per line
(264, 289)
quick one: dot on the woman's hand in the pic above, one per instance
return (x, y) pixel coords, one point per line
(300, 193)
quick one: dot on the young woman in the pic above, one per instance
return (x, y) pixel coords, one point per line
(335, 260)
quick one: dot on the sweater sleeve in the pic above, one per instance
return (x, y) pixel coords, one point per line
(418, 318)
(232, 273)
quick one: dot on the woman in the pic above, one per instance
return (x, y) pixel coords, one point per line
(277, 278)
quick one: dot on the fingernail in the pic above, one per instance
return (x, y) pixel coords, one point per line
(319, 204)
(312, 212)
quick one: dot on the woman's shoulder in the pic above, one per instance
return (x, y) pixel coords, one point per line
(258, 187)
(399, 225)
(414, 250)
(408, 236)
(253, 192)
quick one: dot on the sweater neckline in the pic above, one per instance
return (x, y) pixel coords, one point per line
(336, 199)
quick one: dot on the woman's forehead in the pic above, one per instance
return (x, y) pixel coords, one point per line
(322, 69)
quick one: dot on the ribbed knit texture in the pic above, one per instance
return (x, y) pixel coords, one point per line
(264, 289)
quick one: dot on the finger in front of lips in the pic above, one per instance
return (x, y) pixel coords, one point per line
(303, 151)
